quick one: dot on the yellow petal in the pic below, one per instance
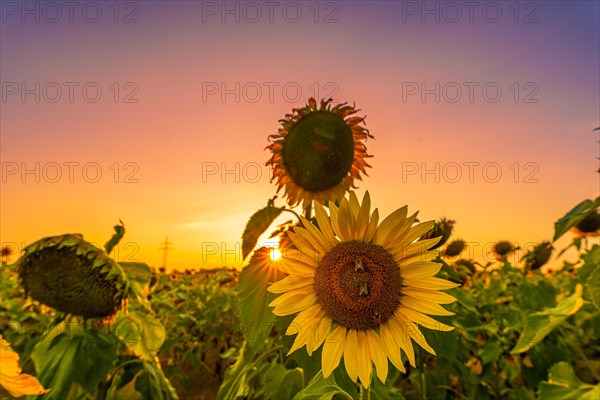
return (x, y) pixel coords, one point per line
(432, 295)
(420, 270)
(430, 283)
(293, 302)
(306, 334)
(424, 306)
(362, 220)
(420, 257)
(316, 236)
(307, 250)
(291, 282)
(302, 319)
(333, 350)
(335, 224)
(324, 223)
(423, 319)
(401, 333)
(396, 218)
(319, 335)
(419, 230)
(372, 229)
(414, 332)
(346, 220)
(22, 385)
(15, 383)
(350, 345)
(353, 204)
(378, 354)
(363, 359)
(397, 235)
(391, 345)
(407, 249)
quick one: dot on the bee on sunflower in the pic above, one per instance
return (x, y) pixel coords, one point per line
(318, 152)
(360, 288)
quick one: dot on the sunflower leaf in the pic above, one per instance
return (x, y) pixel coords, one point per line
(257, 225)
(320, 388)
(257, 319)
(539, 324)
(564, 384)
(593, 287)
(116, 237)
(574, 216)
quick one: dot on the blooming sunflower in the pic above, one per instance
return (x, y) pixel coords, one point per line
(360, 288)
(318, 152)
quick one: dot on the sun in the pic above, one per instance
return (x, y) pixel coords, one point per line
(275, 254)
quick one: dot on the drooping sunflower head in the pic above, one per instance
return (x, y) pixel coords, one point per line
(454, 248)
(73, 276)
(502, 248)
(442, 228)
(588, 226)
(318, 152)
(360, 287)
(538, 256)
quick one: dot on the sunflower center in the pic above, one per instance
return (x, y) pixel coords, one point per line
(318, 151)
(358, 285)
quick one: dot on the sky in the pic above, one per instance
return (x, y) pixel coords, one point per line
(157, 114)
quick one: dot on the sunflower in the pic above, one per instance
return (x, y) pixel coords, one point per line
(72, 276)
(589, 226)
(318, 152)
(360, 288)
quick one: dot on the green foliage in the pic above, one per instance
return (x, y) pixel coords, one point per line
(116, 237)
(574, 216)
(563, 384)
(257, 318)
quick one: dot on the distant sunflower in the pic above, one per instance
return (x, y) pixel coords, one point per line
(588, 226)
(359, 288)
(318, 152)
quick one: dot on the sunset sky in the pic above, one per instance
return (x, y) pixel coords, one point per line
(157, 113)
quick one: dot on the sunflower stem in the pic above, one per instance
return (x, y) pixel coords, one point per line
(365, 394)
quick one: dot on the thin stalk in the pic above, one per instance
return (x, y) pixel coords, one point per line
(365, 394)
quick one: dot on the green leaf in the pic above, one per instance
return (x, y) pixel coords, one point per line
(539, 324)
(592, 285)
(116, 237)
(151, 383)
(236, 383)
(574, 216)
(257, 225)
(143, 333)
(139, 276)
(320, 388)
(257, 318)
(490, 352)
(74, 365)
(282, 383)
(563, 384)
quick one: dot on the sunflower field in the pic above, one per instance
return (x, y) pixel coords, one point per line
(350, 305)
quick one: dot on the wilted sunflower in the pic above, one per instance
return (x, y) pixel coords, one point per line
(588, 226)
(454, 248)
(318, 152)
(502, 248)
(442, 228)
(359, 288)
(73, 276)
